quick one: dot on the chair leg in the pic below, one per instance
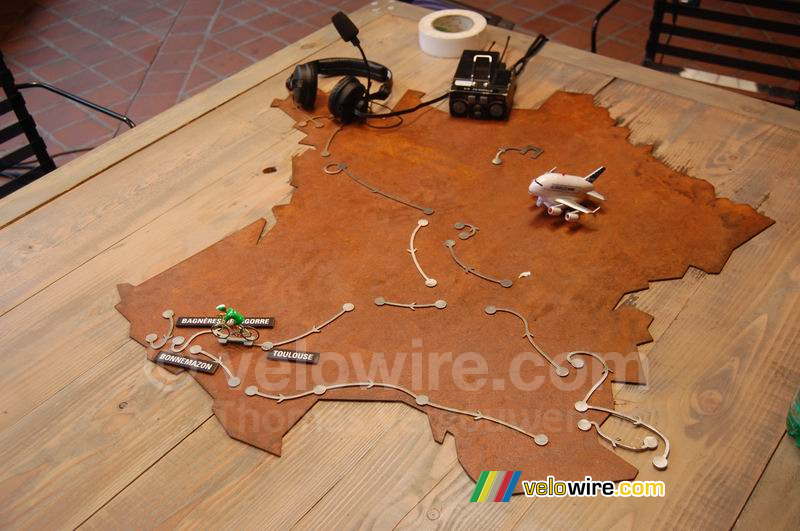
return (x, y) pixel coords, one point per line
(78, 99)
(596, 22)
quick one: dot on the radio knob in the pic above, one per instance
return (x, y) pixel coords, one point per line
(497, 110)
(458, 107)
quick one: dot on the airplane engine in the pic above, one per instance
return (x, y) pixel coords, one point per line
(554, 211)
(572, 216)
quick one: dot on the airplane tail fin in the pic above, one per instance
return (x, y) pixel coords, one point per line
(592, 177)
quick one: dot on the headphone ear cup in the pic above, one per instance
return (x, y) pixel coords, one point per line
(304, 85)
(347, 96)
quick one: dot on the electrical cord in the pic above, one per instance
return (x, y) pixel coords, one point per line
(372, 116)
(533, 49)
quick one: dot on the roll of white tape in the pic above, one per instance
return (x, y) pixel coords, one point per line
(449, 32)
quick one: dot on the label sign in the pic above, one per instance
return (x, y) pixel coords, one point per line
(167, 358)
(297, 356)
(208, 322)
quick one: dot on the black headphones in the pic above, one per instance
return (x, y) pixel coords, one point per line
(349, 99)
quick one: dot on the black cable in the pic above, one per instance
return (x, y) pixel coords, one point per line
(533, 49)
(392, 126)
(371, 116)
(369, 74)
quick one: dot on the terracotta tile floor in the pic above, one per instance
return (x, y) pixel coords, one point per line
(140, 57)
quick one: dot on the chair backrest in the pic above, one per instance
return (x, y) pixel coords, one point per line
(21, 125)
(673, 18)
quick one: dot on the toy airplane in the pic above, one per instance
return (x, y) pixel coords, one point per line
(562, 193)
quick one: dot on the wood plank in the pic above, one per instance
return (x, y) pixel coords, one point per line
(112, 152)
(80, 325)
(729, 359)
(84, 297)
(772, 499)
(747, 190)
(747, 161)
(63, 461)
(753, 108)
(447, 506)
(37, 252)
(406, 456)
(265, 491)
(557, 76)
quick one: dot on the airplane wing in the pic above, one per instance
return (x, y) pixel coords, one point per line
(573, 205)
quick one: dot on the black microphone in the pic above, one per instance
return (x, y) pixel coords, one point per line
(349, 33)
(347, 30)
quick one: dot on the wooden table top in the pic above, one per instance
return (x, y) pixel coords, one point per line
(93, 434)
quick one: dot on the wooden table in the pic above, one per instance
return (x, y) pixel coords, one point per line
(88, 438)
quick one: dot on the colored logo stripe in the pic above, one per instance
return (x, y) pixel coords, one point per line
(487, 486)
(495, 486)
(512, 484)
(479, 487)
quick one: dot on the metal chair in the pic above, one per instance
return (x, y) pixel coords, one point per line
(677, 10)
(30, 161)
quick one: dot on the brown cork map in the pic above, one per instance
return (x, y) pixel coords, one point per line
(338, 242)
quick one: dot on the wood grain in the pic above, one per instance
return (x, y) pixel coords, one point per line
(63, 460)
(721, 372)
(732, 340)
(772, 499)
(261, 490)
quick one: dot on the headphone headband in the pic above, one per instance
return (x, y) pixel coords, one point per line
(303, 81)
(346, 66)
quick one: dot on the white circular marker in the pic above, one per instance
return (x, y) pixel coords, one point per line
(441, 304)
(320, 389)
(177, 340)
(422, 223)
(266, 345)
(251, 390)
(491, 310)
(562, 371)
(650, 442)
(581, 406)
(584, 425)
(660, 462)
(167, 314)
(423, 400)
(195, 349)
(506, 283)
(234, 382)
(458, 225)
(431, 282)
(578, 363)
(541, 439)
(380, 301)
(449, 243)
(150, 338)
(348, 306)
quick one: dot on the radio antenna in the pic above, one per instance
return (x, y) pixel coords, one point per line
(505, 48)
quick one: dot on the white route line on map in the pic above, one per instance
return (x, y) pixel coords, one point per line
(648, 443)
(422, 400)
(269, 345)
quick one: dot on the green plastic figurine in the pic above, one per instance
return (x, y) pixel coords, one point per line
(229, 314)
